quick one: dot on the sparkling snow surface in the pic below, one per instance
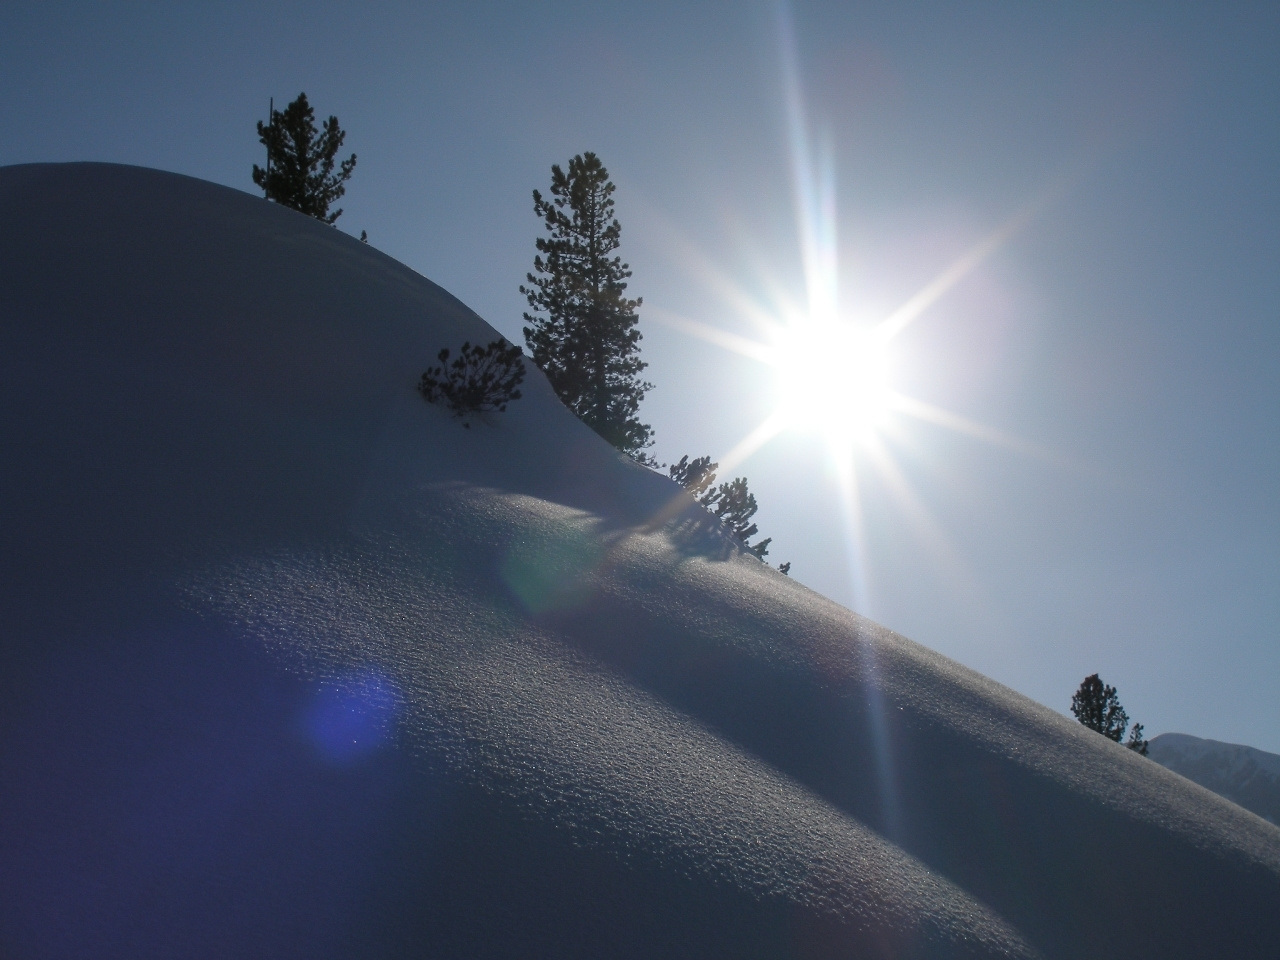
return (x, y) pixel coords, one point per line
(296, 666)
(1244, 775)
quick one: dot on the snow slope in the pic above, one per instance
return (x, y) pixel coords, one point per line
(295, 666)
(1245, 776)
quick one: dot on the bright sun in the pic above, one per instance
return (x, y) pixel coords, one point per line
(833, 379)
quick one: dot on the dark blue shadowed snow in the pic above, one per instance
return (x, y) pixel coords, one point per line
(293, 665)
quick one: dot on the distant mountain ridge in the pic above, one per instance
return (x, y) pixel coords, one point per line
(1244, 775)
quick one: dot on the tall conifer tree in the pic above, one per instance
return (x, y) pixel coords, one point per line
(300, 161)
(582, 328)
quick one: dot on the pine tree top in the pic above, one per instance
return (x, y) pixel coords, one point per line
(301, 158)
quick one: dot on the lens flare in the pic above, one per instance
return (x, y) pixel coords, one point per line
(353, 716)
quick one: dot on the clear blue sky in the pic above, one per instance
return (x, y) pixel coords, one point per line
(1128, 335)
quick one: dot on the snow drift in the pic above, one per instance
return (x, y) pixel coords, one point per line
(293, 665)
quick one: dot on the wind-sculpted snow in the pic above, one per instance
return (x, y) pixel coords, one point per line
(295, 665)
(569, 743)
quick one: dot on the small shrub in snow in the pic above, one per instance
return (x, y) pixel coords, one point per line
(480, 379)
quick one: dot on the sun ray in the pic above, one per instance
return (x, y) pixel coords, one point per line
(953, 421)
(856, 552)
(834, 376)
(938, 416)
(896, 322)
(769, 428)
(928, 530)
(721, 338)
(855, 540)
(666, 237)
(814, 185)
(753, 441)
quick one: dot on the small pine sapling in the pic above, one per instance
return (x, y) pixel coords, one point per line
(480, 379)
(1136, 740)
(785, 570)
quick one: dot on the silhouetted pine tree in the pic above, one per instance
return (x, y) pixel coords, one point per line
(582, 328)
(1136, 740)
(696, 476)
(1096, 706)
(300, 165)
(732, 503)
(735, 505)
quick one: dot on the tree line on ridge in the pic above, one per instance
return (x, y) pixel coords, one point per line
(581, 326)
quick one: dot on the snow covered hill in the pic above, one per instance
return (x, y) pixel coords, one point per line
(295, 666)
(1245, 776)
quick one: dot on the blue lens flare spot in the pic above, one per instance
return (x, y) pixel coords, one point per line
(352, 716)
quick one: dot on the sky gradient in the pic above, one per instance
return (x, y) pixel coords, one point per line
(1126, 340)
